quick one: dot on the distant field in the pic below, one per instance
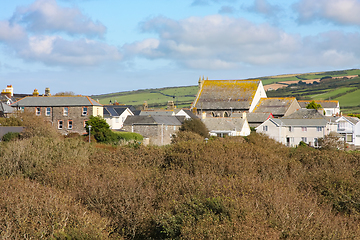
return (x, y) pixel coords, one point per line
(331, 94)
(184, 96)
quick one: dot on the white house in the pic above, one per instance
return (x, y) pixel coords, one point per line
(116, 115)
(227, 126)
(349, 128)
(306, 125)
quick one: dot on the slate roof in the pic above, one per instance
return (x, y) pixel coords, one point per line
(276, 106)
(323, 103)
(224, 124)
(157, 113)
(226, 94)
(302, 117)
(152, 120)
(353, 120)
(5, 108)
(113, 110)
(55, 101)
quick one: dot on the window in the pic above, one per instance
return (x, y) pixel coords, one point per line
(117, 120)
(291, 129)
(48, 111)
(60, 124)
(66, 111)
(304, 129)
(319, 129)
(38, 111)
(70, 124)
(349, 138)
(85, 123)
(341, 126)
(265, 128)
(304, 139)
(84, 111)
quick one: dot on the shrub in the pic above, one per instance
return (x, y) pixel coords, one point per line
(313, 105)
(11, 136)
(128, 136)
(195, 126)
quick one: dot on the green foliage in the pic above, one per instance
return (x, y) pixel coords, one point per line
(128, 136)
(11, 121)
(195, 126)
(100, 129)
(313, 105)
(302, 144)
(11, 136)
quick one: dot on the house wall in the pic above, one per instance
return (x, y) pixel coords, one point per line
(74, 114)
(292, 138)
(293, 108)
(157, 134)
(117, 122)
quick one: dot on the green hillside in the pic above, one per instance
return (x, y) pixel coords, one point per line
(344, 90)
(158, 98)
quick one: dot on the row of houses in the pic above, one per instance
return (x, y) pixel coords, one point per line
(227, 108)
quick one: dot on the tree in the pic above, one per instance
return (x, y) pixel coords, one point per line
(196, 126)
(313, 105)
(67, 93)
(100, 129)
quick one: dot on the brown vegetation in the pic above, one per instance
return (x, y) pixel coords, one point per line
(226, 188)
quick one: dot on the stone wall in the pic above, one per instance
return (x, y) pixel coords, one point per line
(74, 115)
(158, 134)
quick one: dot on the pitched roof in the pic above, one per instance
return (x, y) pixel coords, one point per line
(6, 108)
(258, 117)
(224, 124)
(55, 101)
(276, 106)
(323, 103)
(156, 120)
(157, 113)
(302, 117)
(226, 94)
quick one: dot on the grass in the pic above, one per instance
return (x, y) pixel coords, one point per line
(331, 94)
(350, 99)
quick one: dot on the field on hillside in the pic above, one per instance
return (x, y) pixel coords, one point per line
(338, 89)
(182, 96)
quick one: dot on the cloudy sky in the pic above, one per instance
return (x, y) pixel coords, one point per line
(103, 46)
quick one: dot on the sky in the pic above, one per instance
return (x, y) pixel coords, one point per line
(105, 46)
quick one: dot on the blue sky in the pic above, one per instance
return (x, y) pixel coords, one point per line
(94, 47)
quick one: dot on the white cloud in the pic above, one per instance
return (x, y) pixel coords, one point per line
(58, 51)
(264, 7)
(337, 11)
(46, 16)
(31, 34)
(219, 42)
(224, 41)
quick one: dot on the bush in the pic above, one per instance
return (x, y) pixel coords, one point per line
(11, 136)
(195, 126)
(128, 136)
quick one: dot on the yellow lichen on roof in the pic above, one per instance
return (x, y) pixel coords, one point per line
(262, 100)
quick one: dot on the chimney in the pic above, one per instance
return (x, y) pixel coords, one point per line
(9, 88)
(203, 115)
(145, 106)
(47, 92)
(36, 93)
(170, 105)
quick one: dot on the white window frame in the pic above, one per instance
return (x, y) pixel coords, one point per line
(70, 126)
(304, 139)
(304, 129)
(66, 111)
(265, 128)
(38, 111)
(47, 113)
(84, 113)
(319, 129)
(60, 124)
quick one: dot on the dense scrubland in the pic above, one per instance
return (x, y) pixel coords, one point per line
(225, 188)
